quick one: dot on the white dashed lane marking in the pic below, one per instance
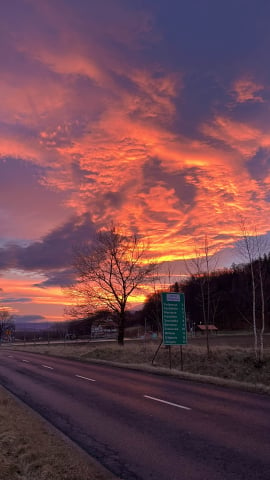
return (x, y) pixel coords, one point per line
(85, 378)
(26, 361)
(167, 403)
(47, 366)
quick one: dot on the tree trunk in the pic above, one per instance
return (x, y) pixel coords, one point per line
(90, 329)
(261, 351)
(121, 328)
(254, 313)
(205, 319)
(208, 317)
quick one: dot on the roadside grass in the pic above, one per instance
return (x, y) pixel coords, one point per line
(225, 362)
(30, 450)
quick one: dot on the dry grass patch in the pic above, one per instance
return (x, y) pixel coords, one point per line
(30, 450)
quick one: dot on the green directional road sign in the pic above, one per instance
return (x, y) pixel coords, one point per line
(174, 319)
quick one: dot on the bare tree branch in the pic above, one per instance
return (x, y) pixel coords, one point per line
(6, 321)
(109, 272)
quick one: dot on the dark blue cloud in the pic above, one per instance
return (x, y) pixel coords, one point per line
(56, 278)
(53, 254)
(29, 318)
(210, 44)
(27, 206)
(205, 33)
(16, 300)
(24, 323)
(154, 173)
(258, 166)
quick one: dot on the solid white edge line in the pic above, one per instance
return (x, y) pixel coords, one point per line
(168, 403)
(47, 366)
(85, 378)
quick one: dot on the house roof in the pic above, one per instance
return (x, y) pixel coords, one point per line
(207, 327)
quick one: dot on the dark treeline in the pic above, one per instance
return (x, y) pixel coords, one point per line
(222, 298)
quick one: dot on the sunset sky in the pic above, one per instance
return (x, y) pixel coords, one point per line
(151, 113)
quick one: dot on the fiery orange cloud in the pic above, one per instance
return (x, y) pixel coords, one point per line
(118, 144)
(240, 136)
(109, 126)
(21, 286)
(220, 196)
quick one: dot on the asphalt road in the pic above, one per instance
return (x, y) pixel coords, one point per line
(143, 426)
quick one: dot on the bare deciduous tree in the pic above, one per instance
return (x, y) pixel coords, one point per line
(109, 271)
(6, 321)
(247, 249)
(261, 274)
(251, 247)
(201, 267)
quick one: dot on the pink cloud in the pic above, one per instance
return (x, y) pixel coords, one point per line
(240, 136)
(246, 90)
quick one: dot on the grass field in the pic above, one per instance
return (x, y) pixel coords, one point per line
(30, 450)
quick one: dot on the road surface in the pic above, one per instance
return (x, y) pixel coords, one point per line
(142, 426)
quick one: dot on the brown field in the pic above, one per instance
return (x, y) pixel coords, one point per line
(245, 340)
(30, 450)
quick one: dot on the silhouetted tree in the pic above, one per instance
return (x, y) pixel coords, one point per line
(152, 311)
(6, 321)
(200, 267)
(109, 271)
(251, 247)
